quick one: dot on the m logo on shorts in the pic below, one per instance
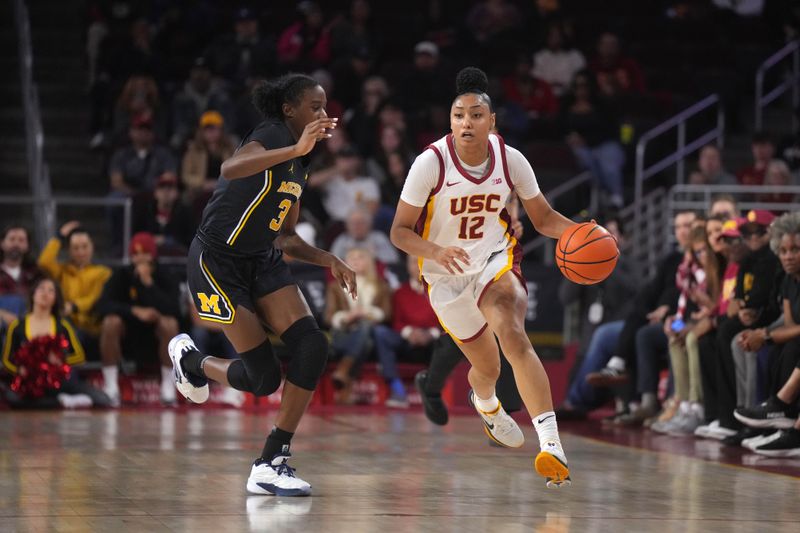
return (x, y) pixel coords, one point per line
(209, 304)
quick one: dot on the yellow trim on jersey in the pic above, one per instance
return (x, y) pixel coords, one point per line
(426, 229)
(11, 367)
(29, 334)
(510, 251)
(77, 356)
(213, 282)
(250, 208)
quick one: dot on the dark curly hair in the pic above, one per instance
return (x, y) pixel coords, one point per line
(58, 305)
(270, 95)
(471, 80)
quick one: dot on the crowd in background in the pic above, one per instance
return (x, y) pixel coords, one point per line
(170, 100)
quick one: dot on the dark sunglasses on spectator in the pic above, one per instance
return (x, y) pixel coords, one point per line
(730, 240)
(747, 233)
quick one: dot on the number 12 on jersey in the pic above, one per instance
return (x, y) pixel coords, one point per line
(471, 227)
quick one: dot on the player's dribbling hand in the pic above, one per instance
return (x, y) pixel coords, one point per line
(313, 132)
(345, 276)
(449, 258)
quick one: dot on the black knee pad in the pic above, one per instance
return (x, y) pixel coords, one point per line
(309, 348)
(258, 371)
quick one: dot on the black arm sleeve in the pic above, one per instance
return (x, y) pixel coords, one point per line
(763, 280)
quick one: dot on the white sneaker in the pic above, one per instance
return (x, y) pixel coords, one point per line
(113, 395)
(754, 442)
(499, 426)
(551, 463)
(277, 478)
(713, 431)
(194, 388)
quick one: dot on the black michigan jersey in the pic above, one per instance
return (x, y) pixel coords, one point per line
(245, 215)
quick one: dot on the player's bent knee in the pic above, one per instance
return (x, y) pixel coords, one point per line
(310, 348)
(257, 371)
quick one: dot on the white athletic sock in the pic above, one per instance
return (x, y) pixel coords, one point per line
(110, 379)
(167, 375)
(547, 429)
(488, 405)
(649, 400)
(617, 363)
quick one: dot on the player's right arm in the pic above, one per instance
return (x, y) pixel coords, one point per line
(422, 179)
(254, 157)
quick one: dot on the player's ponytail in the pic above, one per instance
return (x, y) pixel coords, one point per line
(270, 95)
(472, 80)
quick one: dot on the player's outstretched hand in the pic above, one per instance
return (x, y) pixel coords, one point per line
(314, 132)
(449, 258)
(345, 276)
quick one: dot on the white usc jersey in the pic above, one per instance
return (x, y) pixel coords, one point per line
(466, 206)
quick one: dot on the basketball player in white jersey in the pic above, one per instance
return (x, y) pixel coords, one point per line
(451, 215)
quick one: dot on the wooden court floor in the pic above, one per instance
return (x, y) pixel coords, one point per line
(185, 470)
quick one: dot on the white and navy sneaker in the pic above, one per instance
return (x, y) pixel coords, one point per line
(499, 426)
(276, 477)
(194, 388)
(551, 464)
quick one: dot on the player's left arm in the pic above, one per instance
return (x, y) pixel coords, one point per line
(546, 220)
(292, 244)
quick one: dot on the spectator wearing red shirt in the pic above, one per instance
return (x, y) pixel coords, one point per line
(414, 327)
(616, 73)
(307, 43)
(534, 95)
(763, 150)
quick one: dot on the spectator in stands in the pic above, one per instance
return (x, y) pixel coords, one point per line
(333, 107)
(750, 308)
(362, 122)
(80, 280)
(44, 321)
(414, 329)
(392, 141)
(699, 285)
(710, 170)
(558, 63)
(725, 206)
(603, 308)
(18, 272)
(534, 95)
(139, 97)
(428, 82)
(777, 174)
(780, 408)
(616, 74)
(305, 44)
(244, 54)
(642, 338)
(491, 19)
(345, 190)
(354, 32)
(200, 94)
(140, 300)
(350, 73)
(763, 151)
(359, 234)
(203, 158)
(592, 134)
(136, 168)
(163, 215)
(352, 321)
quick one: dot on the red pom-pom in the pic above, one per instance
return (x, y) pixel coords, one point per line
(38, 372)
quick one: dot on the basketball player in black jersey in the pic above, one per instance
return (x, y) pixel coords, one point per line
(237, 276)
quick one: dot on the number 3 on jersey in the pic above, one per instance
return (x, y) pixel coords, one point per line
(471, 228)
(276, 223)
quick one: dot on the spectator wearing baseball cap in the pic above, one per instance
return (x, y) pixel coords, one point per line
(136, 167)
(139, 302)
(203, 158)
(200, 94)
(163, 214)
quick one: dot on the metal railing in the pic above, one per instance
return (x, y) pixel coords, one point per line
(684, 148)
(791, 81)
(53, 203)
(38, 172)
(546, 243)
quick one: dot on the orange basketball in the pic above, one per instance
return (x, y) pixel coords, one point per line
(586, 253)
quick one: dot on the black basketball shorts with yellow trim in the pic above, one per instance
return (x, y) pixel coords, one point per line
(220, 282)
